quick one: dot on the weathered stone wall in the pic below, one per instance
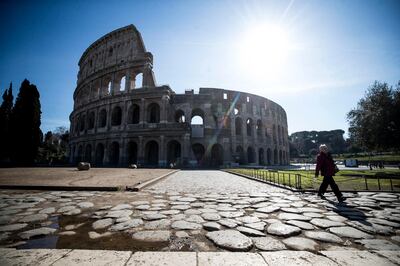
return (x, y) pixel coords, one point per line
(117, 121)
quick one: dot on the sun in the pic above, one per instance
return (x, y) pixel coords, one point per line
(263, 49)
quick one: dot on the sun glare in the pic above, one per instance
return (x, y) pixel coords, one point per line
(264, 49)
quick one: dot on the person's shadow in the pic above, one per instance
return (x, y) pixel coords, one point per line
(350, 212)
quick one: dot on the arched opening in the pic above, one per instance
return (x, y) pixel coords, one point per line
(249, 125)
(250, 155)
(109, 88)
(116, 116)
(217, 155)
(279, 136)
(280, 157)
(139, 80)
(284, 157)
(99, 154)
(268, 156)
(275, 156)
(197, 117)
(259, 127)
(132, 152)
(82, 123)
(91, 120)
(102, 118)
(238, 126)
(261, 160)
(114, 153)
(133, 114)
(226, 122)
(153, 113)
(174, 152)
(274, 135)
(198, 151)
(240, 155)
(79, 156)
(88, 153)
(179, 116)
(122, 84)
(151, 153)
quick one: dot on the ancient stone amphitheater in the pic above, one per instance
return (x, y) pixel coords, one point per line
(121, 116)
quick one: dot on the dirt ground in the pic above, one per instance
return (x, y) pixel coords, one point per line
(70, 176)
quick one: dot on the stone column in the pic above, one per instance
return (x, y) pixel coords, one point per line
(106, 157)
(122, 155)
(164, 113)
(127, 81)
(140, 151)
(124, 118)
(142, 111)
(162, 161)
(109, 115)
(186, 147)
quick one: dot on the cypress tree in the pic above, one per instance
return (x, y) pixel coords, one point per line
(25, 122)
(5, 115)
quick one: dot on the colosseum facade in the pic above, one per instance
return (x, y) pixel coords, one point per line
(121, 116)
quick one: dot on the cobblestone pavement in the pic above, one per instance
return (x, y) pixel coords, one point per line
(200, 211)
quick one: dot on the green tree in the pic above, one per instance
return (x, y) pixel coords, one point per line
(5, 133)
(373, 124)
(25, 124)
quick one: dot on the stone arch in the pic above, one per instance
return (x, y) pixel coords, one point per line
(249, 127)
(114, 153)
(122, 83)
(269, 161)
(180, 116)
(198, 151)
(88, 153)
(274, 135)
(250, 155)
(82, 123)
(132, 151)
(138, 80)
(91, 119)
(195, 114)
(116, 116)
(102, 118)
(79, 156)
(240, 155)
(238, 126)
(99, 154)
(153, 113)
(217, 155)
(280, 157)
(134, 114)
(259, 127)
(275, 156)
(173, 152)
(261, 158)
(151, 153)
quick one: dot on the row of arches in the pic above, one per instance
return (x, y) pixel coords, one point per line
(116, 155)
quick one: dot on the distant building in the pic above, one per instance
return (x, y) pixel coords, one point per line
(121, 116)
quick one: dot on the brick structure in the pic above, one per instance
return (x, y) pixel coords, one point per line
(121, 116)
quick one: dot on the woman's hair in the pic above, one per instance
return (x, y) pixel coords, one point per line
(323, 148)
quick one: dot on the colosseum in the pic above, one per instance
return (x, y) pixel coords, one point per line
(121, 116)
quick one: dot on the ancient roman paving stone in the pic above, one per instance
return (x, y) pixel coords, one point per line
(12, 227)
(302, 225)
(126, 225)
(209, 216)
(49, 210)
(195, 219)
(293, 216)
(230, 239)
(140, 202)
(281, 229)
(187, 199)
(85, 205)
(383, 222)
(154, 216)
(158, 224)
(347, 231)
(122, 207)
(118, 214)
(372, 229)
(67, 233)
(211, 226)
(300, 258)
(36, 232)
(378, 244)
(181, 234)
(325, 223)
(313, 214)
(95, 235)
(6, 219)
(183, 225)
(231, 214)
(257, 226)
(291, 210)
(268, 243)
(356, 257)
(192, 211)
(180, 207)
(228, 223)
(33, 218)
(170, 212)
(248, 219)
(301, 243)
(66, 209)
(249, 231)
(74, 211)
(103, 223)
(323, 236)
(268, 209)
(152, 236)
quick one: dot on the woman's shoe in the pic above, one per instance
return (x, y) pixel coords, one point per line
(342, 199)
(321, 196)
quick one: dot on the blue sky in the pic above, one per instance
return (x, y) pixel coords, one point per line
(337, 49)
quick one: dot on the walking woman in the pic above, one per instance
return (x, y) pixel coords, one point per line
(326, 166)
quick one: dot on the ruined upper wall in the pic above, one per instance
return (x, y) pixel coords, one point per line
(117, 47)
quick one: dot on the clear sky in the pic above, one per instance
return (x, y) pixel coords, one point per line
(330, 53)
